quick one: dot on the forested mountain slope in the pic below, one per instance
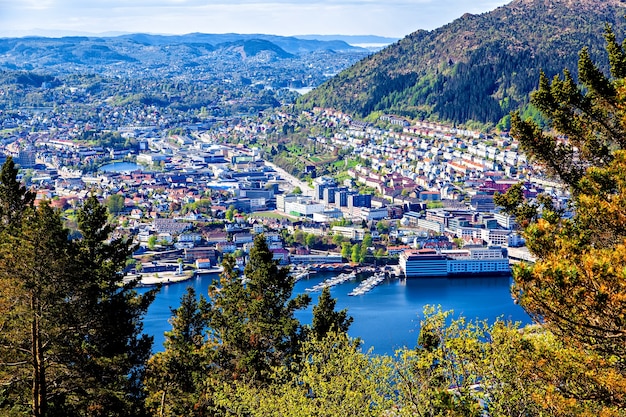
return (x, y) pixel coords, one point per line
(479, 67)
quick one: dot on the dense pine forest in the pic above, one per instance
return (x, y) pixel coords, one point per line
(477, 68)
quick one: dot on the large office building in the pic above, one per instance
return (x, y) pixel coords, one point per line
(320, 184)
(423, 263)
(472, 261)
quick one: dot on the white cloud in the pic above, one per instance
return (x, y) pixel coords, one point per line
(28, 4)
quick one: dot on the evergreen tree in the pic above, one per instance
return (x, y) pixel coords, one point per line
(110, 314)
(14, 197)
(589, 115)
(275, 333)
(71, 339)
(227, 318)
(37, 279)
(252, 325)
(174, 377)
(326, 319)
(577, 285)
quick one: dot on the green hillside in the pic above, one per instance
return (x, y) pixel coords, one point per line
(479, 67)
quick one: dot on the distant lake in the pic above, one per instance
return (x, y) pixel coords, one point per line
(386, 318)
(302, 90)
(121, 167)
(37, 110)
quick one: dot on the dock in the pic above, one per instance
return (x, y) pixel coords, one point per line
(368, 284)
(331, 282)
(165, 277)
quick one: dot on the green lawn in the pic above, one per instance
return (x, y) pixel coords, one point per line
(270, 215)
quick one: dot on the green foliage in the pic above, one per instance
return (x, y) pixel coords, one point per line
(108, 140)
(380, 253)
(230, 214)
(584, 252)
(383, 227)
(459, 368)
(337, 239)
(115, 203)
(336, 380)
(434, 204)
(355, 255)
(365, 244)
(590, 115)
(299, 237)
(71, 341)
(346, 250)
(326, 319)
(175, 376)
(367, 240)
(37, 277)
(341, 222)
(253, 327)
(311, 240)
(465, 368)
(525, 212)
(113, 347)
(576, 287)
(152, 242)
(201, 206)
(14, 197)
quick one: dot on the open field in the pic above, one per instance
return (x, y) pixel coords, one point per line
(272, 215)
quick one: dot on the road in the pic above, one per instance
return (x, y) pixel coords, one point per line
(295, 182)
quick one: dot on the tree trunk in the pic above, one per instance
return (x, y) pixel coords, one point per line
(162, 411)
(39, 371)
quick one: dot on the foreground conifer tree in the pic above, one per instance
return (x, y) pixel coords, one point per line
(326, 319)
(578, 284)
(175, 377)
(251, 319)
(113, 350)
(14, 197)
(36, 274)
(240, 335)
(70, 333)
(244, 336)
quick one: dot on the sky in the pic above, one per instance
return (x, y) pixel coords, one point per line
(391, 18)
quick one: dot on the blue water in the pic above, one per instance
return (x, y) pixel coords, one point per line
(387, 317)
(120, 167)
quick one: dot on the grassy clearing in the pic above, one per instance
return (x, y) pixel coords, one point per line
(270, 215)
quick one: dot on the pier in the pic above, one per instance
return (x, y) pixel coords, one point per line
(368, 284)
(331, 282)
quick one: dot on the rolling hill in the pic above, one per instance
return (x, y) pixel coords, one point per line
(155, 50)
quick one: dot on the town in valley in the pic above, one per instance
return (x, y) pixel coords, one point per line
(195, 185)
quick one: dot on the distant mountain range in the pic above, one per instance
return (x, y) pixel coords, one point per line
(41, 52)
(350, 39)
(477, 68)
